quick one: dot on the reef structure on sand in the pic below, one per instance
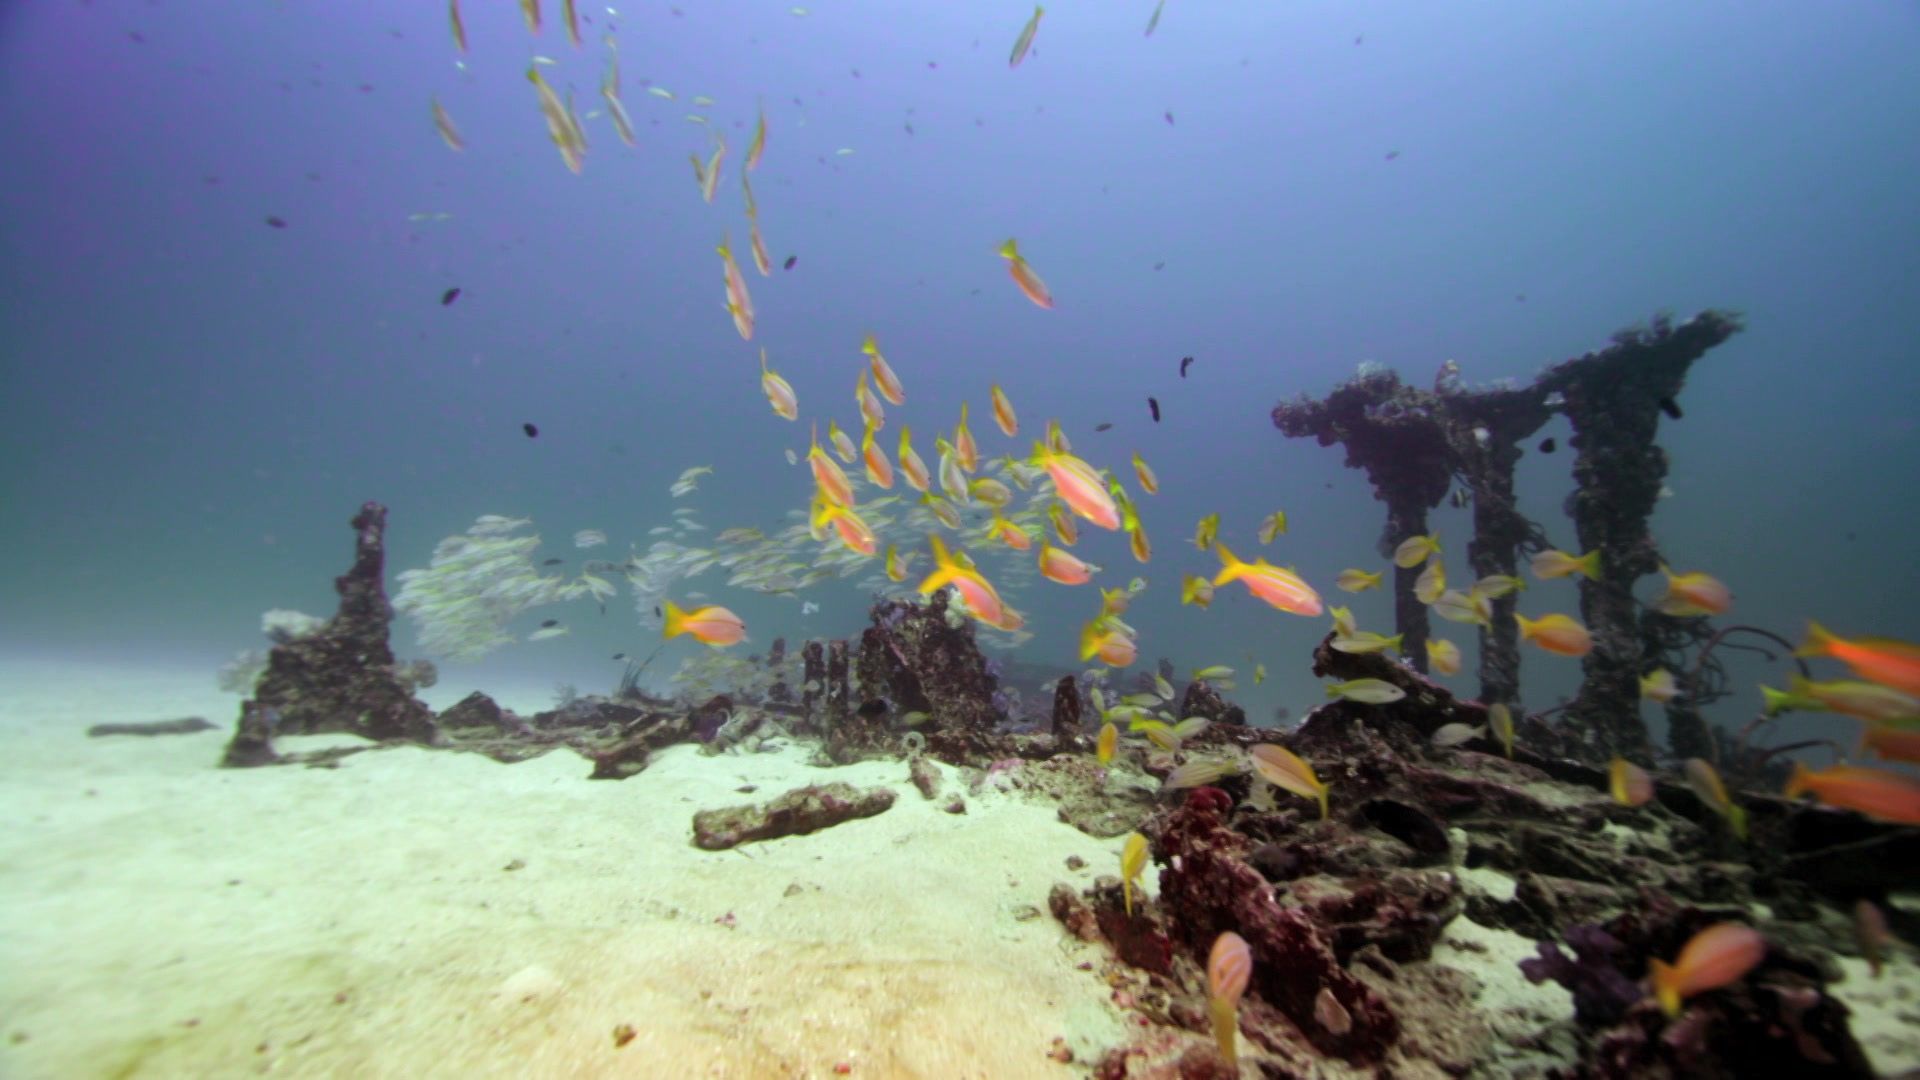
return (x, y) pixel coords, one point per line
(1414, 444)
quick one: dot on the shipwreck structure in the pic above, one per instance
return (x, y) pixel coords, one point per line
(1415, 445)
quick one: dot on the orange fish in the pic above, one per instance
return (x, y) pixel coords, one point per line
(1877, 793)
(1010, 534)
(981, 599)
(1718, 956)
(911, 467)
(1891, 743)
(1559, 634)
(761, 260)
(1883, 660)
(870, 407)
(879, 470)
(1631, 784)
(1023, 275)
(1280, 588)
(710, 625)
(827, 477)
(1113, 646)
(883, 376)
(1063, 566)
(739, 304)
(854, 532)
(1104, 747)
(779, 391)
(965, 450)
(1285, 769)
(1229, 966)
(1003, 414)
(1079, 486)
(1691, 595)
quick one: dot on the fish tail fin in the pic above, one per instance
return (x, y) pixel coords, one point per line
(1010, 250)
(1394, 642)
(1589, 564)
(676, 620)
(1737, 818)
(1089, 640)
(1126, 890)
(1666, 986)
(870, 346)
(1527, 626)
(1231, 566)
(945, 568)
(1321, 792)
(1819, 641)
(1776, 701)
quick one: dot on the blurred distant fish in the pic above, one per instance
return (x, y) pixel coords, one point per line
(1168, 115)
(1155, 20)
(791, 259)
(276, 222)
(1103, 427)
(587, 538)
(610, 90)
(449, 296)
(459, 25)
(1185, 361)
(660, 92)
(443, 124)
(533, 432)
(530, 10)
(572, 18)
(1025, 40)
(1153, 406)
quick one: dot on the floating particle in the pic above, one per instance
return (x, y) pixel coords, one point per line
(1168, 115)
(1103, 427)
(1671, 408)
(532, 431)
(1185, 363)
(1520, 297)
(1391, 154)
(791, 259)
(553, 562)
(619, 656)
(1160, 266)
(1547, 445)
(1153, 406)
(276, 222)
(449, 296)
(547, 624)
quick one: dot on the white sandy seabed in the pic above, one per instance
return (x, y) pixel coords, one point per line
(164, 917)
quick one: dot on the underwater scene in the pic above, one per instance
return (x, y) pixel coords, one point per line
(1148, 539)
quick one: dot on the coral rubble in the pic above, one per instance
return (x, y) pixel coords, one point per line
(803, 810)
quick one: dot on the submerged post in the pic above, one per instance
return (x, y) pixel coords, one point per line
(1614, 399)
(1415, 443)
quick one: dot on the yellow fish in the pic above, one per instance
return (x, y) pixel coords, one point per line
(1352, 580)
(1133, 857)
(1274, 525)
(1415, 550)
(1205, 533)
(1025, 41)
(1558, 564)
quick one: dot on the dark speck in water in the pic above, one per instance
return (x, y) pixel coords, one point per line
(553, 562)
(791, 259)
(449, 296)
(532, 431)
(1671, 408)
(1160, 266)
(549, 623)
(1103, 427)
(1185, 363)
(276, 222)
(1153, 406)
(619, 656)
(1547, 445)
(1391, 154)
